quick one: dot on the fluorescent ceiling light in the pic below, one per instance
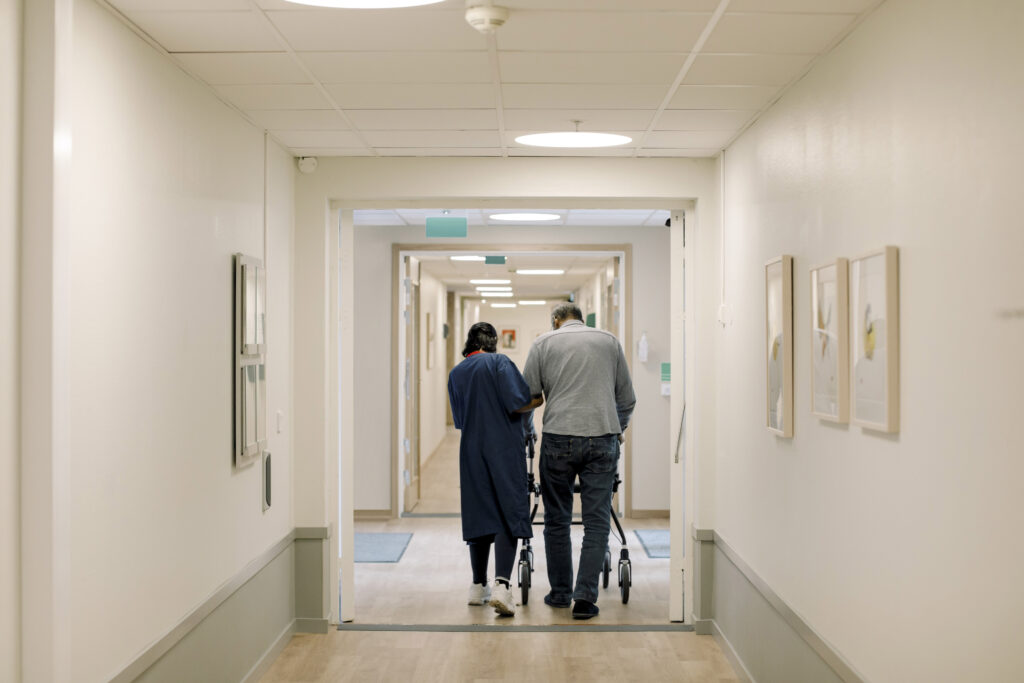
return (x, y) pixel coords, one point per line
(540, 271)
(498, 294)
(364, 4)
(468, 258)
(532, 303)
(490, 282)
(503, 305)
(524, 217)
(493, 288)
(573, 139)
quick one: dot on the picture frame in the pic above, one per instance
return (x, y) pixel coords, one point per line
(509, 336)
(830, 341)
(778, 292)
(874, 333)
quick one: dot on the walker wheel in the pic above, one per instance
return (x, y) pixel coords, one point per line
(524, 580)
(606, 572)
(625, 580)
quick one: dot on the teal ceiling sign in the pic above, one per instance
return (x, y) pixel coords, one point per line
(494, 260)
(446, 226)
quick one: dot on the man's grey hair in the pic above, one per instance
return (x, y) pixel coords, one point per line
(566, 311)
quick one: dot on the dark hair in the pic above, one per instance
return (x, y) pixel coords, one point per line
(566, 312)
(481, 337)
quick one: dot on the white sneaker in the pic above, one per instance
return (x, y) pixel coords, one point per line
(479, 594)
(503, 600)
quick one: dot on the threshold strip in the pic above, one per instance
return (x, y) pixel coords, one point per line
(487, 628)
(431, 514)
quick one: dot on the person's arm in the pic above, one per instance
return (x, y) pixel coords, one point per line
(453, 400)
(625, 399)
(531, 373)
(535, 402)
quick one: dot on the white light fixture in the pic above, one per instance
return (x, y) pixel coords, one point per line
(364, 4)
(532, 303)
(498, 295)
(524, 217)
(503, 305)
(493, 288)
(468, 258)
(573, 138)
(540, 271)
(490, 282)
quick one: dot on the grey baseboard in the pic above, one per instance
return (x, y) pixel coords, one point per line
(730, 653)
(769, 640)
(236, 633)
(371, 515)
(649, 514)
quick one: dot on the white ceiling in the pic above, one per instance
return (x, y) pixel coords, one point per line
(681, 77)
(579, 268)
(619, 218)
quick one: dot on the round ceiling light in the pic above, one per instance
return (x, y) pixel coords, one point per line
(364, 4)
(574, 139)
(524, 217)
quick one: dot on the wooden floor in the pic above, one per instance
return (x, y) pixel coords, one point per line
(429, 586)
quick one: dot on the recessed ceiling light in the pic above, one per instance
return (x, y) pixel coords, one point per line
(503, 305)
(540, 271)
(532, 303)
(574, 139)
(499, 295)
(468, 258)
(489, 282)
(494, 288)
(364, 4)
(524, 217)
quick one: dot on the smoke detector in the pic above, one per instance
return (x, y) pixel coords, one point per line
(486, 18)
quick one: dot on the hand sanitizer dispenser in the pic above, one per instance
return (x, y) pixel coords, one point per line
(642, 348)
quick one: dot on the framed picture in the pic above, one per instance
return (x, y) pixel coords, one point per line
(830, 341)
(508, 338)
(778, 302)
(874, 329)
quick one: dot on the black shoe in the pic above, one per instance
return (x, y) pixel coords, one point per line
(550, 602)
(583, 609)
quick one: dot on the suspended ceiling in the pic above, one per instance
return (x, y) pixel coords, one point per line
(681, 77)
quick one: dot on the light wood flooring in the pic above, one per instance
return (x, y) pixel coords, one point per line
(429, 587)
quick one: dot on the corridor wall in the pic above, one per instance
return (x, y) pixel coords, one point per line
(10, 220)
(168, 183)
(902, 551)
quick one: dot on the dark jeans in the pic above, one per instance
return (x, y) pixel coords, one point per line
(594, 460)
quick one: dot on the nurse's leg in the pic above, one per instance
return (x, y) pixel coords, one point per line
(504, 556)
(479, 555)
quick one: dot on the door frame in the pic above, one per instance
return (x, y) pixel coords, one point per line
(340, 245)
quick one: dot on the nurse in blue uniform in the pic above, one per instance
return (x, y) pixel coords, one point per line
(486, 390)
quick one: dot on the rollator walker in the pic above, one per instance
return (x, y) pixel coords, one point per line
(526, 553)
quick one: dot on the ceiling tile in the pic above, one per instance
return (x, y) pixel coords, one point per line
(413, 96)
(412, 29)
(424, 119)
(596, 5)
(318, 138)
(275, 96)
(746, 69)
(677, 153)
(207, 31)
(777, 33)
(129, 6)
(299, 119)
(589, 67)
(809, 6)
(703, 119)
(722, 97)
(571, 96)
(688, 139)
(332, 152)
(433, 138)
(243, 68)
(534, 120)
(399, 67)
(439, 152)
(602, 31)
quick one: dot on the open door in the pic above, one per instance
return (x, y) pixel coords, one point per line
(411, 389)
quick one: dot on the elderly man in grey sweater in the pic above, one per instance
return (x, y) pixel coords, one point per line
(581, 376)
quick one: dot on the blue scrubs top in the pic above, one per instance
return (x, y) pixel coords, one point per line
(485, 389)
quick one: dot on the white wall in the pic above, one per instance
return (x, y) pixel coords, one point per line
(10, 189)
(373, 372)
(433, 380)
(168, 184)
(902, 551)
